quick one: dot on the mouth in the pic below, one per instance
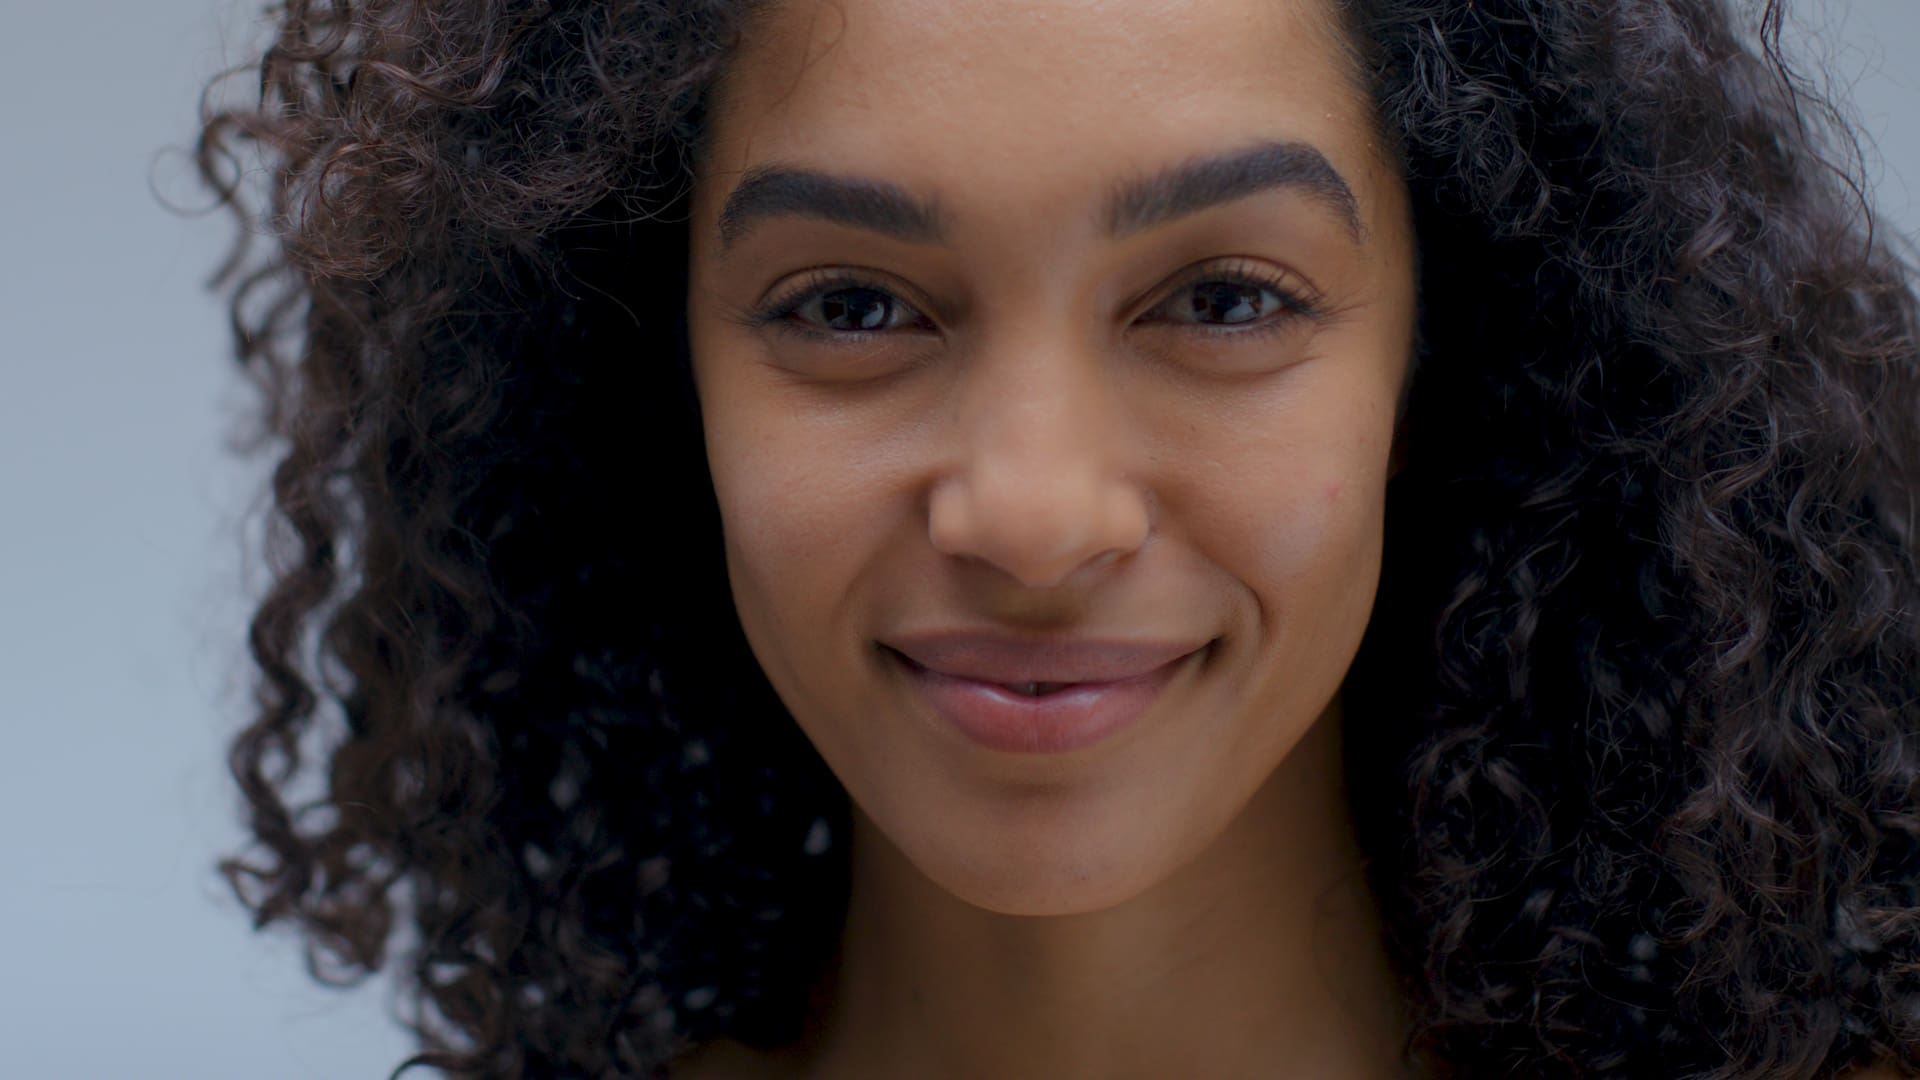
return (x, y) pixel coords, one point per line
(1038, 665)
(1039, 716)
(1026, 689)
(1036, 689)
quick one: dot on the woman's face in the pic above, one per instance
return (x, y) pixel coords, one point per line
(1070, 323)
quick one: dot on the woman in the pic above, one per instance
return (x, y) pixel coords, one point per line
(1242, 538)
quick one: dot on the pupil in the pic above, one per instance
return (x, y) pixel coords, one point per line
(1228, 300)
(836, 305)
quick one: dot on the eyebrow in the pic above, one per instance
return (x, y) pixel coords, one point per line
(776, 190)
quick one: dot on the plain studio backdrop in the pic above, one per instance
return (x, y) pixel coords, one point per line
(124, 590)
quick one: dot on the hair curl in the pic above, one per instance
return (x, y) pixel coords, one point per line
(1639, 794)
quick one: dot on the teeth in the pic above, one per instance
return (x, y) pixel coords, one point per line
(1035, 689)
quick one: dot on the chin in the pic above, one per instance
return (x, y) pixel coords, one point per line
(1070, 863)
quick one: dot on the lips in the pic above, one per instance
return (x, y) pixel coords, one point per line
(1020, 662)
(1038, 696)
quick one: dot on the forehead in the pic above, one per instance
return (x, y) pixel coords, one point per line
(1003, 108)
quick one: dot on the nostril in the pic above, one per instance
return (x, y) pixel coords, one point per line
(1038, 529)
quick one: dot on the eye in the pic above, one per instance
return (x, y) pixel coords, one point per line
(836, 305)
(1236, 299)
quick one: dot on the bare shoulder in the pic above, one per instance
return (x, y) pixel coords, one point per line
(724, 1059)
(1874, 1072)
(729, 1060)
(711, 1061)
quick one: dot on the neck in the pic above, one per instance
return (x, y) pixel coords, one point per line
(1262, 956)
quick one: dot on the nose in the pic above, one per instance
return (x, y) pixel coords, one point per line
(1041, 488)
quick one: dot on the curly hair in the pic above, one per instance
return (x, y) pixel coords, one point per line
(1638, 693)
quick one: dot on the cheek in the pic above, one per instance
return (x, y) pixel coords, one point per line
(799, 516)
(774, 509)
(1297, 515)
(775, 505)
(1317, 543)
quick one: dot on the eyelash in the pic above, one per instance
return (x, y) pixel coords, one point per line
(1294, 304)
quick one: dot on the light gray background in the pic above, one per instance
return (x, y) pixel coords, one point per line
(123, 594)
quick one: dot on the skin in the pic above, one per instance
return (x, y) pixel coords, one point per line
(1040, 440)
(1036, 440)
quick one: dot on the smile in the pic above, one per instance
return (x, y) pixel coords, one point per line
(1034, 717)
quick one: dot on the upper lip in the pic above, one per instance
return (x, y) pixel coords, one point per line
(1000, 658)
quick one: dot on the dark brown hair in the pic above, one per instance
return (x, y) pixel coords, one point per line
(1638, 696)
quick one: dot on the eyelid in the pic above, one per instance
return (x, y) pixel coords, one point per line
(1300, 299)
(1295, 292)
(817, 281)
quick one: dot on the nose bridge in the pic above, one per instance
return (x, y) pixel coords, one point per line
(1042, 404)
(1041, 486)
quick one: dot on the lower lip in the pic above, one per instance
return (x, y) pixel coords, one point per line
(1068, 719)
